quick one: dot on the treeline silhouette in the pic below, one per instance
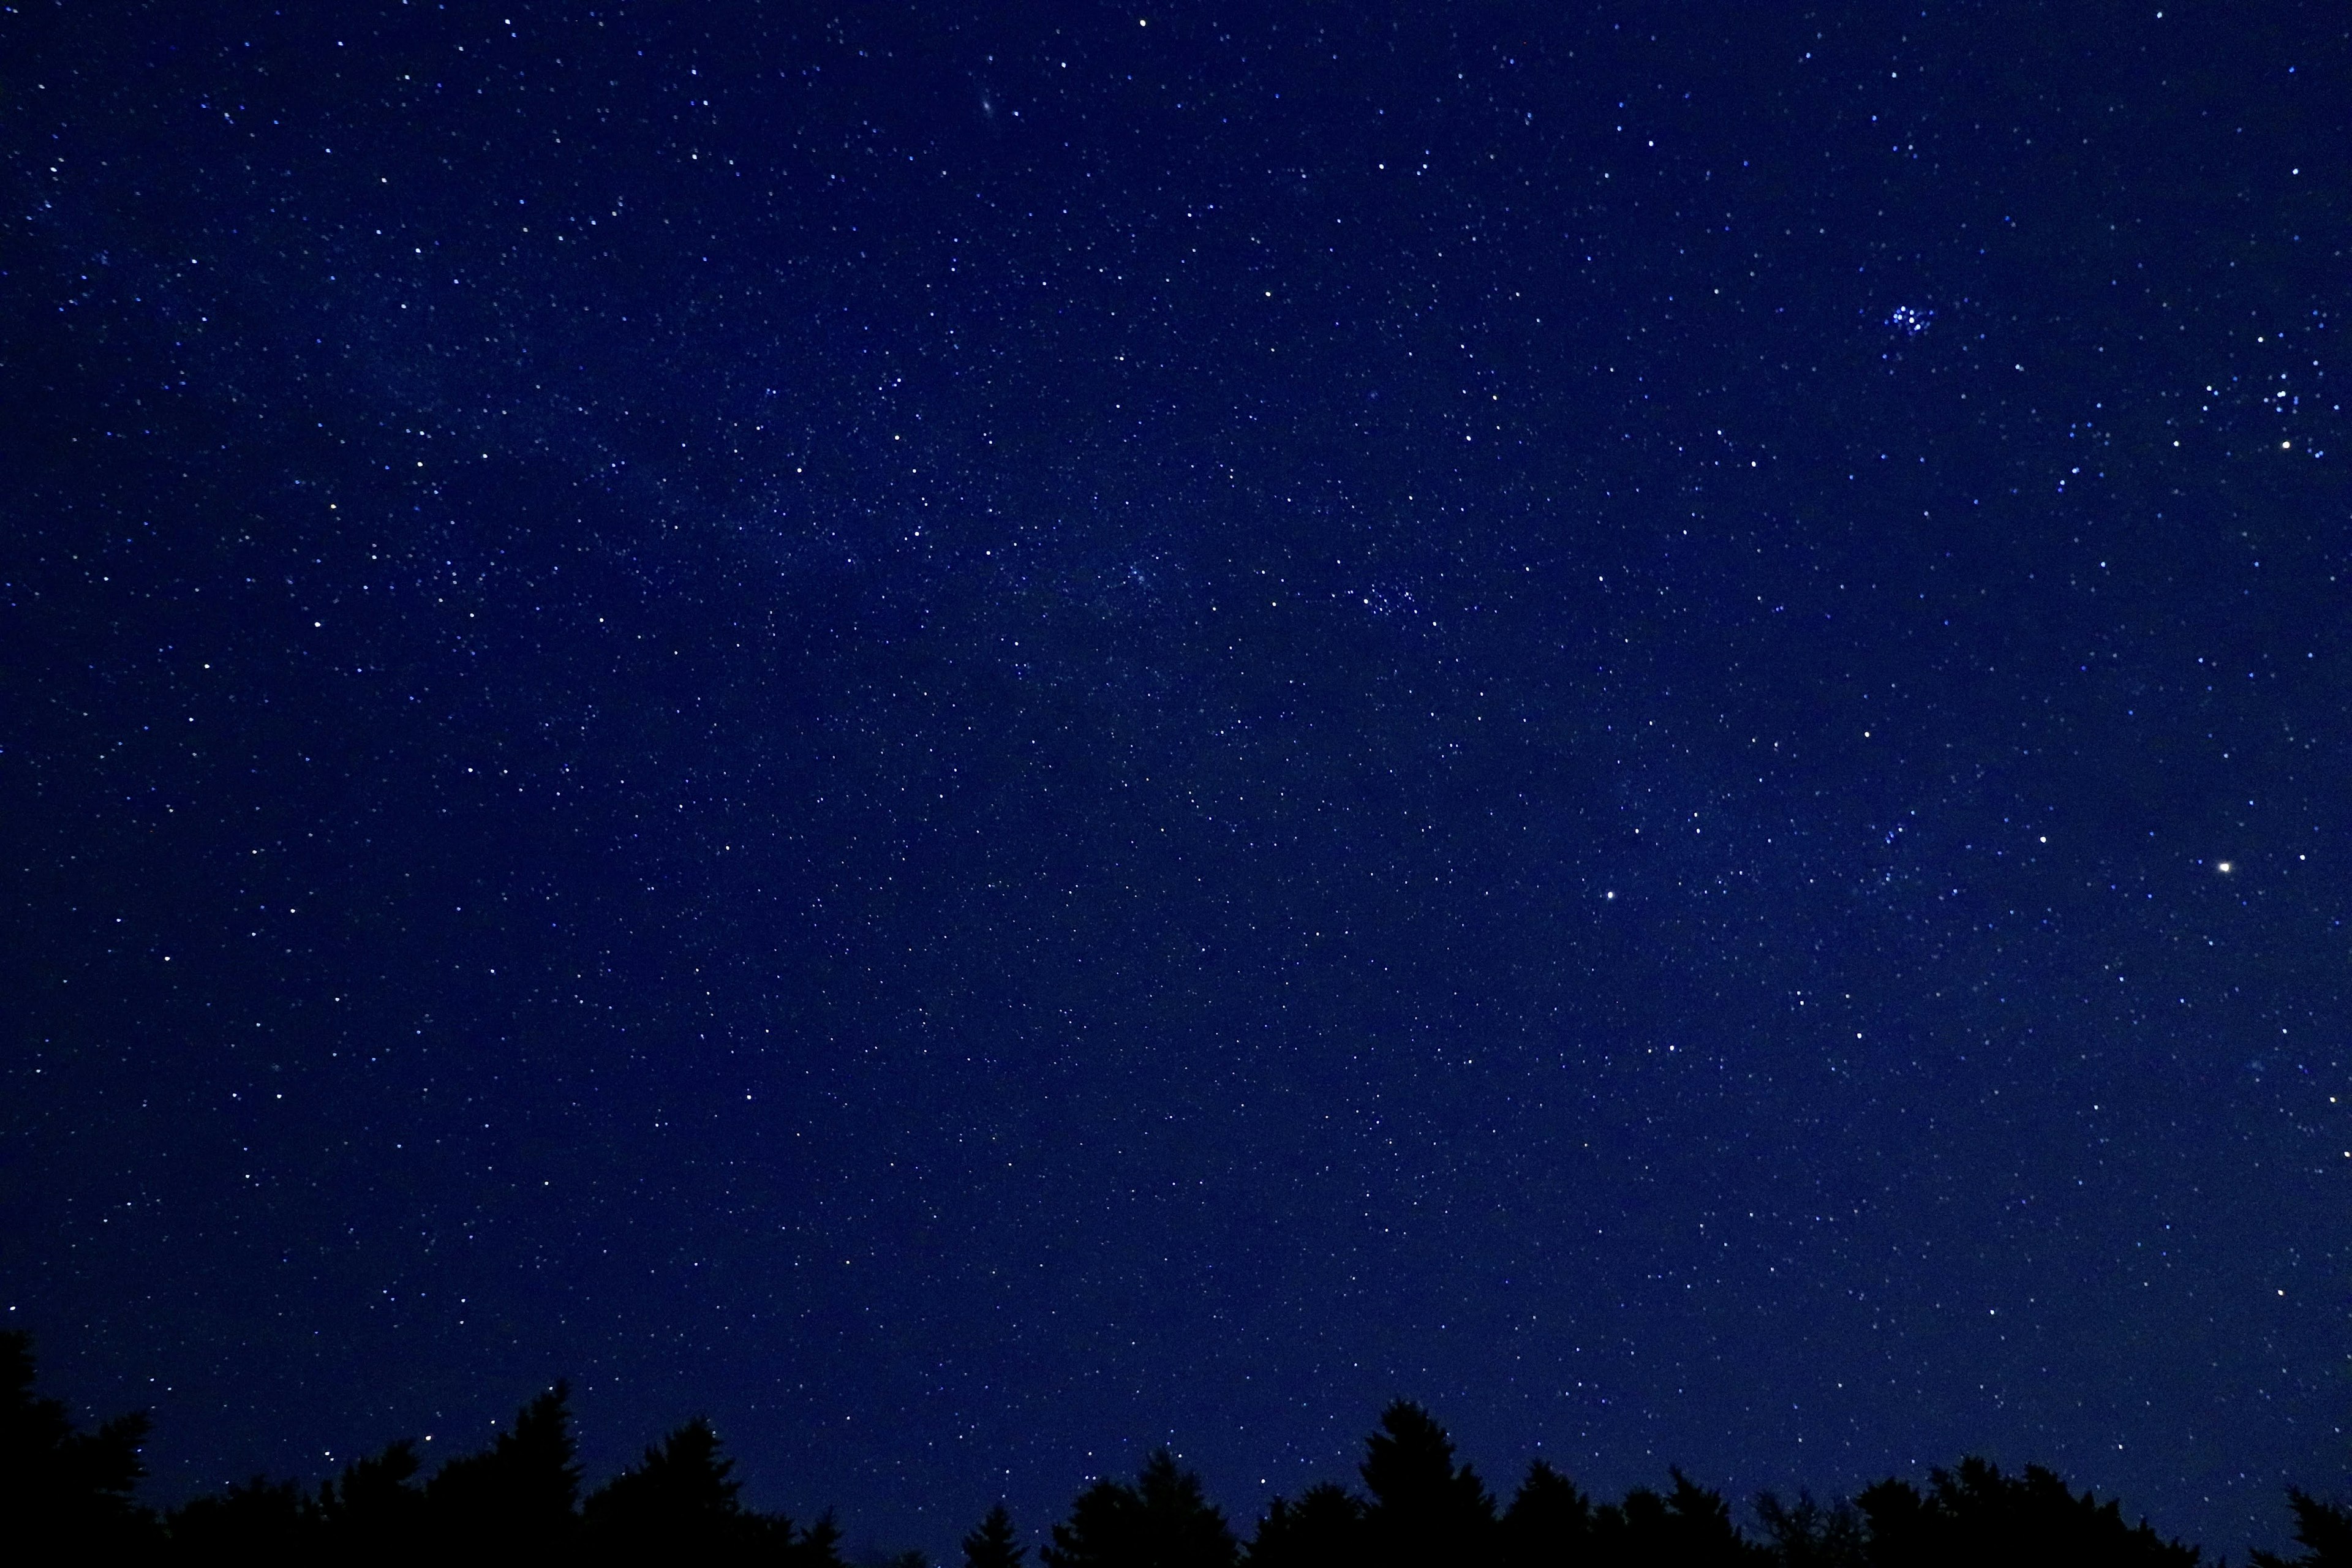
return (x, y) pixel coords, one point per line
(68, 1495)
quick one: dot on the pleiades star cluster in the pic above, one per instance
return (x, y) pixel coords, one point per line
(984, 737)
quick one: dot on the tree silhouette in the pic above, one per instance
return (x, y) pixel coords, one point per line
(1689, 1527)
(1806, 1535)
(681, 1498)
(259, 1520)
(66, 1495)
(520, 1493)
(1975, 1514)
(818, 1546)
(374, 1513)
(994, 1545)
(1324, 1529)
(1161, 1521)
(2323, 1528)
(1548, 1523)
(57, 1484)
(680, 1502)
(1424, 1509)
(371, 1515)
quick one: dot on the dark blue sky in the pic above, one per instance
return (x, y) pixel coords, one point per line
(983, 738)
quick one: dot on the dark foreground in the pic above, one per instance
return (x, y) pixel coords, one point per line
(66, 1495)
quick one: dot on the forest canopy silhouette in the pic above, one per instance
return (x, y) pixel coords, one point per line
(65, 1494)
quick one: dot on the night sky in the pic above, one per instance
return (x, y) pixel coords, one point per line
(983, 738)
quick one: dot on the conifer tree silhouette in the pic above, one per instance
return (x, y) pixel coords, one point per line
(818, 1546)
(2325, 1528)
(1974, 1514)
(1161, 1521)
(681, 1497)
(66, 1495)
(521, 1493)
(259, 1520)
(994, 1545)
(680, 1503)
(374, 1513)
(1424, 1509)
(1324, 1529)
(1548, 1523)
(57, 1484)
(1688, 1525)
(1806, 1535)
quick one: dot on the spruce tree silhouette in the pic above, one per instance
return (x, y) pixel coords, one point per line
(57, 1484)
(259, 1522)
(1324, 1529)
(994, 1545)
(66, 1495)
(682, 1503)
(1161, 1521)
(371, 1515)
(818, 1546)
(1548, 1523)
(2323, 1528)
(1689, 1527)
(519, 1494)
(1804, 1534)
(682, 1497)
(1424, 1509)
(374, 1513)
(1975, 1514)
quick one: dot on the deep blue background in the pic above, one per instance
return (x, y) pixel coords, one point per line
(985, 739)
